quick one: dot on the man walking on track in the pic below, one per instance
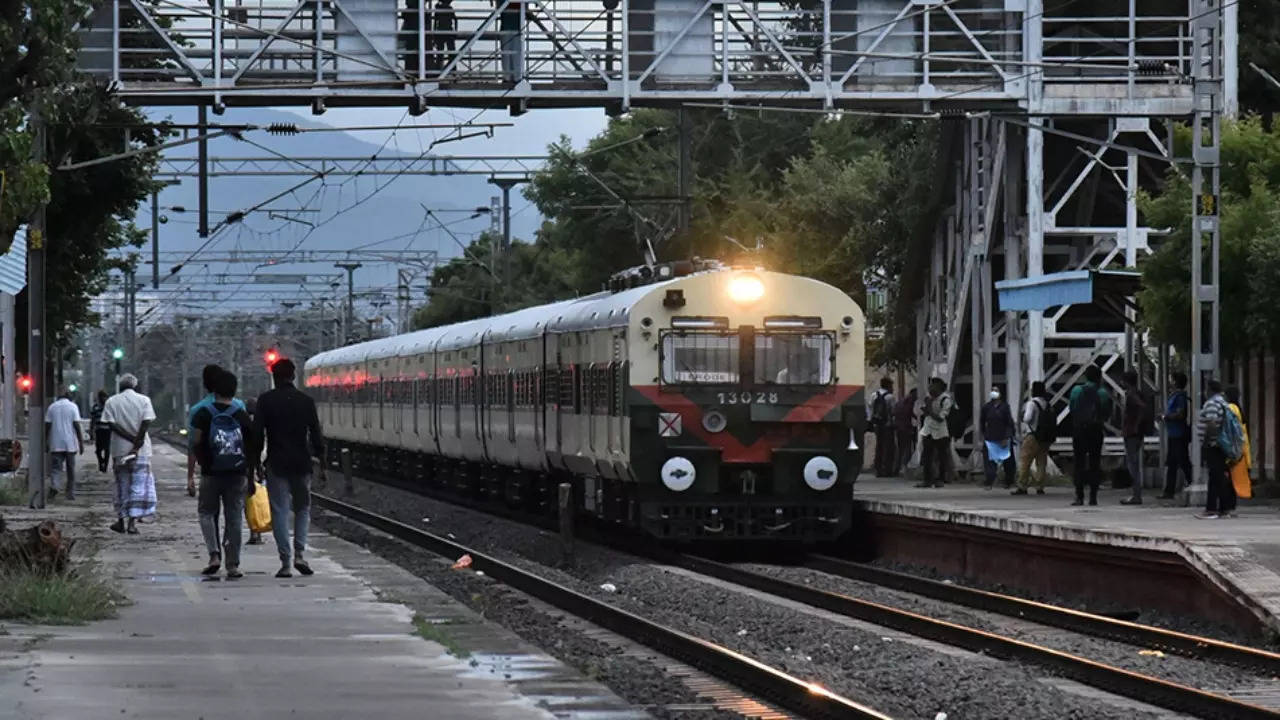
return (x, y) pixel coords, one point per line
(223, 443)
(1090, 407)
(101, 432)
(286, 419)
(129, 413)
(62, 432)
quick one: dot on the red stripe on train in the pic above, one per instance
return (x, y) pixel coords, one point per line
(732, 450)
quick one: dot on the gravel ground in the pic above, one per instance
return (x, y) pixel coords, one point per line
(1146, 616)
(639, 682)
(1196, 673)
(900, 679)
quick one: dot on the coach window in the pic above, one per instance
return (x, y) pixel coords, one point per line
(793, 358)
(699, 358)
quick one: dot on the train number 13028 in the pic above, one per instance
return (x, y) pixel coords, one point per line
(746, 397)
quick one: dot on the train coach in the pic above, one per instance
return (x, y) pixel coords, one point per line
(691, 402)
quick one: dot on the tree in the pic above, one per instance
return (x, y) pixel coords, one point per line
(1249, 207)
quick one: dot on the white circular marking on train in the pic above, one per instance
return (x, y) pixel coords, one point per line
(820, 473)
(714, 421)
(678, 474)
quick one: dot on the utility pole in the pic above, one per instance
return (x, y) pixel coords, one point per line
(35, 323)
(685, 177)
(8, 376)
(155, 239)
(351, 296)
(202, 153)
(131, 313)
(1207, 90)
(505, 184)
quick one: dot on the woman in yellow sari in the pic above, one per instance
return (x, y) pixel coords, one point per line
(1240, 471)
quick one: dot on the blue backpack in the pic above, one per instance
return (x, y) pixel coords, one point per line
(1231, 436)
(226, 443)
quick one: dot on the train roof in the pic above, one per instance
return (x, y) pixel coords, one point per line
(600, 310)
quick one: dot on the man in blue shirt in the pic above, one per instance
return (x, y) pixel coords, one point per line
(1178, 432)
(208, 377)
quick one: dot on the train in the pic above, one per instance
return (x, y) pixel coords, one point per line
(688, 401)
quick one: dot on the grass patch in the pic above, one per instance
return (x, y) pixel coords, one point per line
(12, 496)
(436, 633)
(70, 598)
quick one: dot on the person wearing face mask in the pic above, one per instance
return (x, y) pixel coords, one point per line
(996, 422)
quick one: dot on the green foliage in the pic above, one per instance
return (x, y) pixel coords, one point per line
(1259, 25)
(841, 200)
(1249, 206)
(69, 598)
(91, 210)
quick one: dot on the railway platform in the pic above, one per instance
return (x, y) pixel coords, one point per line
(1128, 554)
(342, 643)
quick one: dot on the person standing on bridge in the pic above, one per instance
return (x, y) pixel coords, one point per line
(1090, 405)
(287, 421)
(129, 414)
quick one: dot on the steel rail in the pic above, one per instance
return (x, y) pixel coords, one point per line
(1144, 688)
(769, 683)
(1074, 620)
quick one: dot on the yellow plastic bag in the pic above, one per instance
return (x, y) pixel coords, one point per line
(257, 510)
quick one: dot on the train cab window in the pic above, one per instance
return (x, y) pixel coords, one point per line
(794, 358)
(699, 358)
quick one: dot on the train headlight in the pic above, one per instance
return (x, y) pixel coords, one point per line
(820, 473)
(745, 288)
(678, 474)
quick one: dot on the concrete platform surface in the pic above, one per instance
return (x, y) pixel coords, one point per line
(320, 647)
(1241, 555)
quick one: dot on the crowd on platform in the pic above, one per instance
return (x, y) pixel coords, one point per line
(226, 440)
(1018, 446)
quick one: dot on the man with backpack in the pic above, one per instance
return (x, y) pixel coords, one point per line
(208, 377)
(1135, 426)
(880, 421)
(223, 444)
(1090, 405)
(1222, 444)
(935, 434)
(1177, 431)
(1039, 430)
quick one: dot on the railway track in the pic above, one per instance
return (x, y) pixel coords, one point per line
(1138, 686)
(785, 690)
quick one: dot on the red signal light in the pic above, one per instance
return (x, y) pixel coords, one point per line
(25, 383)
(271, 357)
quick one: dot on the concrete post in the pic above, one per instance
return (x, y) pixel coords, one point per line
(9, 389)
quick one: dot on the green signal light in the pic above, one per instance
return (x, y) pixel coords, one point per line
(117, 354)
(73, 387)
